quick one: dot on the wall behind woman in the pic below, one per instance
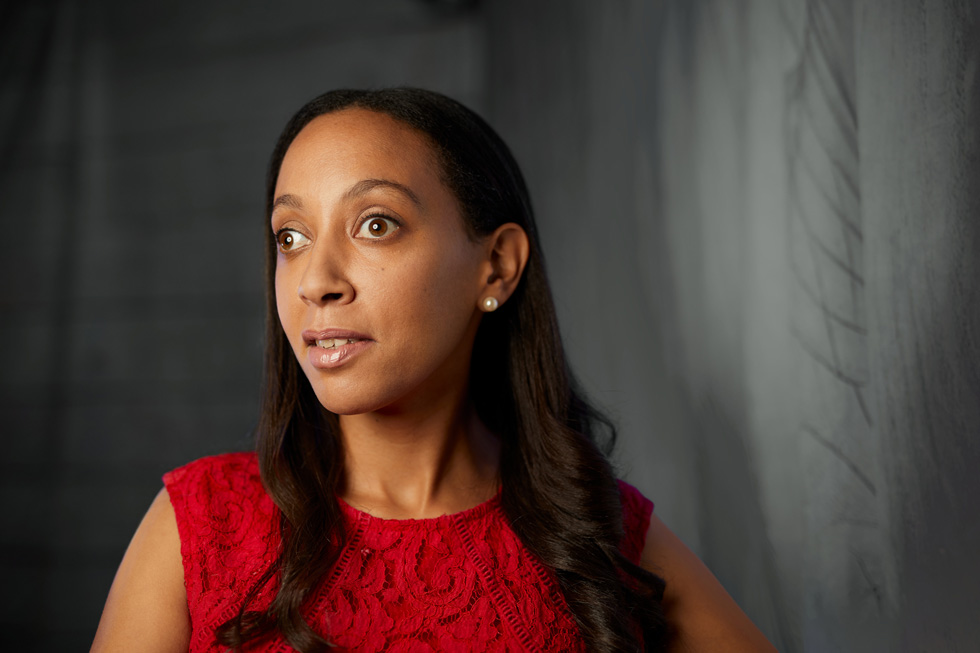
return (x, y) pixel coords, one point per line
(134, 143)
(761, 223)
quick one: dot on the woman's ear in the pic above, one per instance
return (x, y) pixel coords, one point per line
(507, 249)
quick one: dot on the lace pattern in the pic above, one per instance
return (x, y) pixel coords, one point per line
(456, 582)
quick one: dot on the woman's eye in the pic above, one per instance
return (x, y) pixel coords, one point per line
(290, 239)
(377, 227)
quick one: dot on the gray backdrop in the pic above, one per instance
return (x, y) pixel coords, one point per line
(761, 225)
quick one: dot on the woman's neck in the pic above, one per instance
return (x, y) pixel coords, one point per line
(419, 464)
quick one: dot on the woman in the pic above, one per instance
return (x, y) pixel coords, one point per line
(427, 475)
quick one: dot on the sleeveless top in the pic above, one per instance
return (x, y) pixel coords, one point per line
(460, 582)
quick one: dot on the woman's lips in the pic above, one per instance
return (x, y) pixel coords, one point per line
(331, 348)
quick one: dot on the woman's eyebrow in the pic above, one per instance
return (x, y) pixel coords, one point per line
(287, 200)
(365, 185)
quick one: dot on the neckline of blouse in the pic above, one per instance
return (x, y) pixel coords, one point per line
(469, 514)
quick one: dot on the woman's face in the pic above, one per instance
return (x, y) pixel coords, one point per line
(377, 282)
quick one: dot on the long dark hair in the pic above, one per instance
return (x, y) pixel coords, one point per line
(559, 491)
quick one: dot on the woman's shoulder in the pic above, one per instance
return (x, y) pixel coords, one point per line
(241, 465)
(239, 469)
(636, 520)
(633, 499)
(216, 489)
(227, 529)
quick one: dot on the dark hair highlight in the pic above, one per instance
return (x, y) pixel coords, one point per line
(559, 491)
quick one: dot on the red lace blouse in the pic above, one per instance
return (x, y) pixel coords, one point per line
(460, 582)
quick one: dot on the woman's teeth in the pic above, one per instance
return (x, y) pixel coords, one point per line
(331, 343)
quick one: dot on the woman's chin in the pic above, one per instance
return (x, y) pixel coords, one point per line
(344, 404)
(342, 408)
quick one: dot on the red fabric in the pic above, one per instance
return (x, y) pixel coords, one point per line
(461, 582)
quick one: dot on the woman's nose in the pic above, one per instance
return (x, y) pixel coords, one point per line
(324, 280)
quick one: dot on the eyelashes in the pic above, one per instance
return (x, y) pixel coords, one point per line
(376, 226)
(289, 239)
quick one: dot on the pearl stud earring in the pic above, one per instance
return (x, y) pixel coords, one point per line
(490, 304)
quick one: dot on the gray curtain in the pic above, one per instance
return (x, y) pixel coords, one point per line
(762, 223)
(760, 220)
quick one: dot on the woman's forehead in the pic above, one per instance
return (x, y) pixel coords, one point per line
(359, 133)
(339, 149)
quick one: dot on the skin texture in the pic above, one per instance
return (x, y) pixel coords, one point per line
(414, 291)
(700, 613)
(396, 264)
(147, 605)
(414, 446)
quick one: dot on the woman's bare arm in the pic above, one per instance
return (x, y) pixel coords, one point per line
(147, 605)
(700, 614)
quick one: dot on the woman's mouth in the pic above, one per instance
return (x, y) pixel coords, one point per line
(333, 343)
(332, 348)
